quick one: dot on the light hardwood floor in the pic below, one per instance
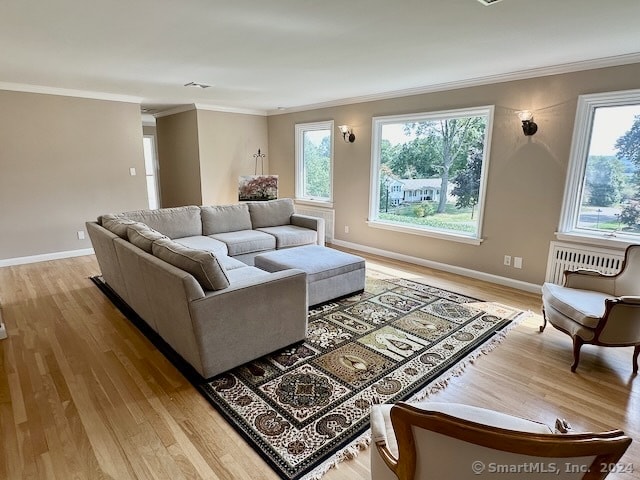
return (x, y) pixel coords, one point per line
(83, 395)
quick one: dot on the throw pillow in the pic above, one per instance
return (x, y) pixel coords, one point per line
(225, 218)
(143, 236)
(271, 213)
(203, 265)
(116, 224)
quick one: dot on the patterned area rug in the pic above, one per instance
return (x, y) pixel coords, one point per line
(306, 408)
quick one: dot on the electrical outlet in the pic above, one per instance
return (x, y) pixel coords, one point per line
(80, 235)
(346, 229)
(507, 260)
(517, 262)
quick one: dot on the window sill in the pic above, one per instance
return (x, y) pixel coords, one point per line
(314, 203)
(425, 233)
(617, 243)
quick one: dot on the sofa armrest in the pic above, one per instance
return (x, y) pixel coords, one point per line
(249, 319)
(312, 223)
(622, 325)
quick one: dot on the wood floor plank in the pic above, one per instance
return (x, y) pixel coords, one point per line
(84, 395)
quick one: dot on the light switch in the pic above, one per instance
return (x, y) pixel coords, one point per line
(132, 171)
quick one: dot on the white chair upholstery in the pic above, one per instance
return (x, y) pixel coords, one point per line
(597, 309)
(446, 441)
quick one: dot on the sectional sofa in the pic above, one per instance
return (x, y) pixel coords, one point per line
(188, 273)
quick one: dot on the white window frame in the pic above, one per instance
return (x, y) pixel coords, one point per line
(376, 137)
(568, 230)
(300, 129)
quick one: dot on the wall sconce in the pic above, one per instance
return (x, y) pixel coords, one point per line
(529, 127)
(347, 133)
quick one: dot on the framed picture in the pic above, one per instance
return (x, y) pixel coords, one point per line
(257, 187)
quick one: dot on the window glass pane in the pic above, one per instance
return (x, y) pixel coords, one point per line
(314, 162)
(150, 172)
(430, 172)
(317, 163)
(610, 194)
(147, 143)
(152, 194)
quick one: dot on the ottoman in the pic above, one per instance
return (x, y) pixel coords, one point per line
(330, 273)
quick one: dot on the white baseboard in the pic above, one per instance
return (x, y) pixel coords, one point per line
(487, 277)
(45, 257)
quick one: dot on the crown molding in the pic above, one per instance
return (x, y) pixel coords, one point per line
(211, 108)
(148, 120)
(473, 82)
(67, 92)
(220, 108)
(174, 110)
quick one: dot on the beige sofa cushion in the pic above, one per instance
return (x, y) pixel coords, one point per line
(200, 242)
(225, 218)
(203, 265)
(143, 236)
(246, 241)
(585, 307)
(173, 222)
(291, 236)
(116, 224)
(271, 213)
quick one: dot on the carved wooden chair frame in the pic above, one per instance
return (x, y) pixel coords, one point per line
(607, 447)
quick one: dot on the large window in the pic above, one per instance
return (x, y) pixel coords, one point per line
(602, 193)
(314, 162)
(429, 171)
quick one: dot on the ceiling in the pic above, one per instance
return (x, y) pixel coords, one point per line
(282, 55)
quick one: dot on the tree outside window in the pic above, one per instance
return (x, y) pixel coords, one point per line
(429, 171)
(314, 160)
(602, 197)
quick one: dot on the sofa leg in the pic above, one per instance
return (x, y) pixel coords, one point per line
(577, 345)
(544, 318)
(636, 352)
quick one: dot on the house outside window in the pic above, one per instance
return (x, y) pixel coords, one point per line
(602, 193)
(416, 157)
(314, 162)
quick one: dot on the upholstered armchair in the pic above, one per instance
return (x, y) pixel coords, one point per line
(448, 441)
(597, 309)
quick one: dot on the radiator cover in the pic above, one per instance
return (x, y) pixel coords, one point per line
(568, 256)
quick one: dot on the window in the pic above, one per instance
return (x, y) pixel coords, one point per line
(429, 173)
(151, 167)
(314, 161)
(602, 192)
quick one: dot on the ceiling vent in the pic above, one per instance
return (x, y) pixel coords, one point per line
(487, 3)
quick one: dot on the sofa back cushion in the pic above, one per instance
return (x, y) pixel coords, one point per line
(225, 218)
(203, 265)
(173, 222)
(115, 223)
(271, 213)
(143, 236)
